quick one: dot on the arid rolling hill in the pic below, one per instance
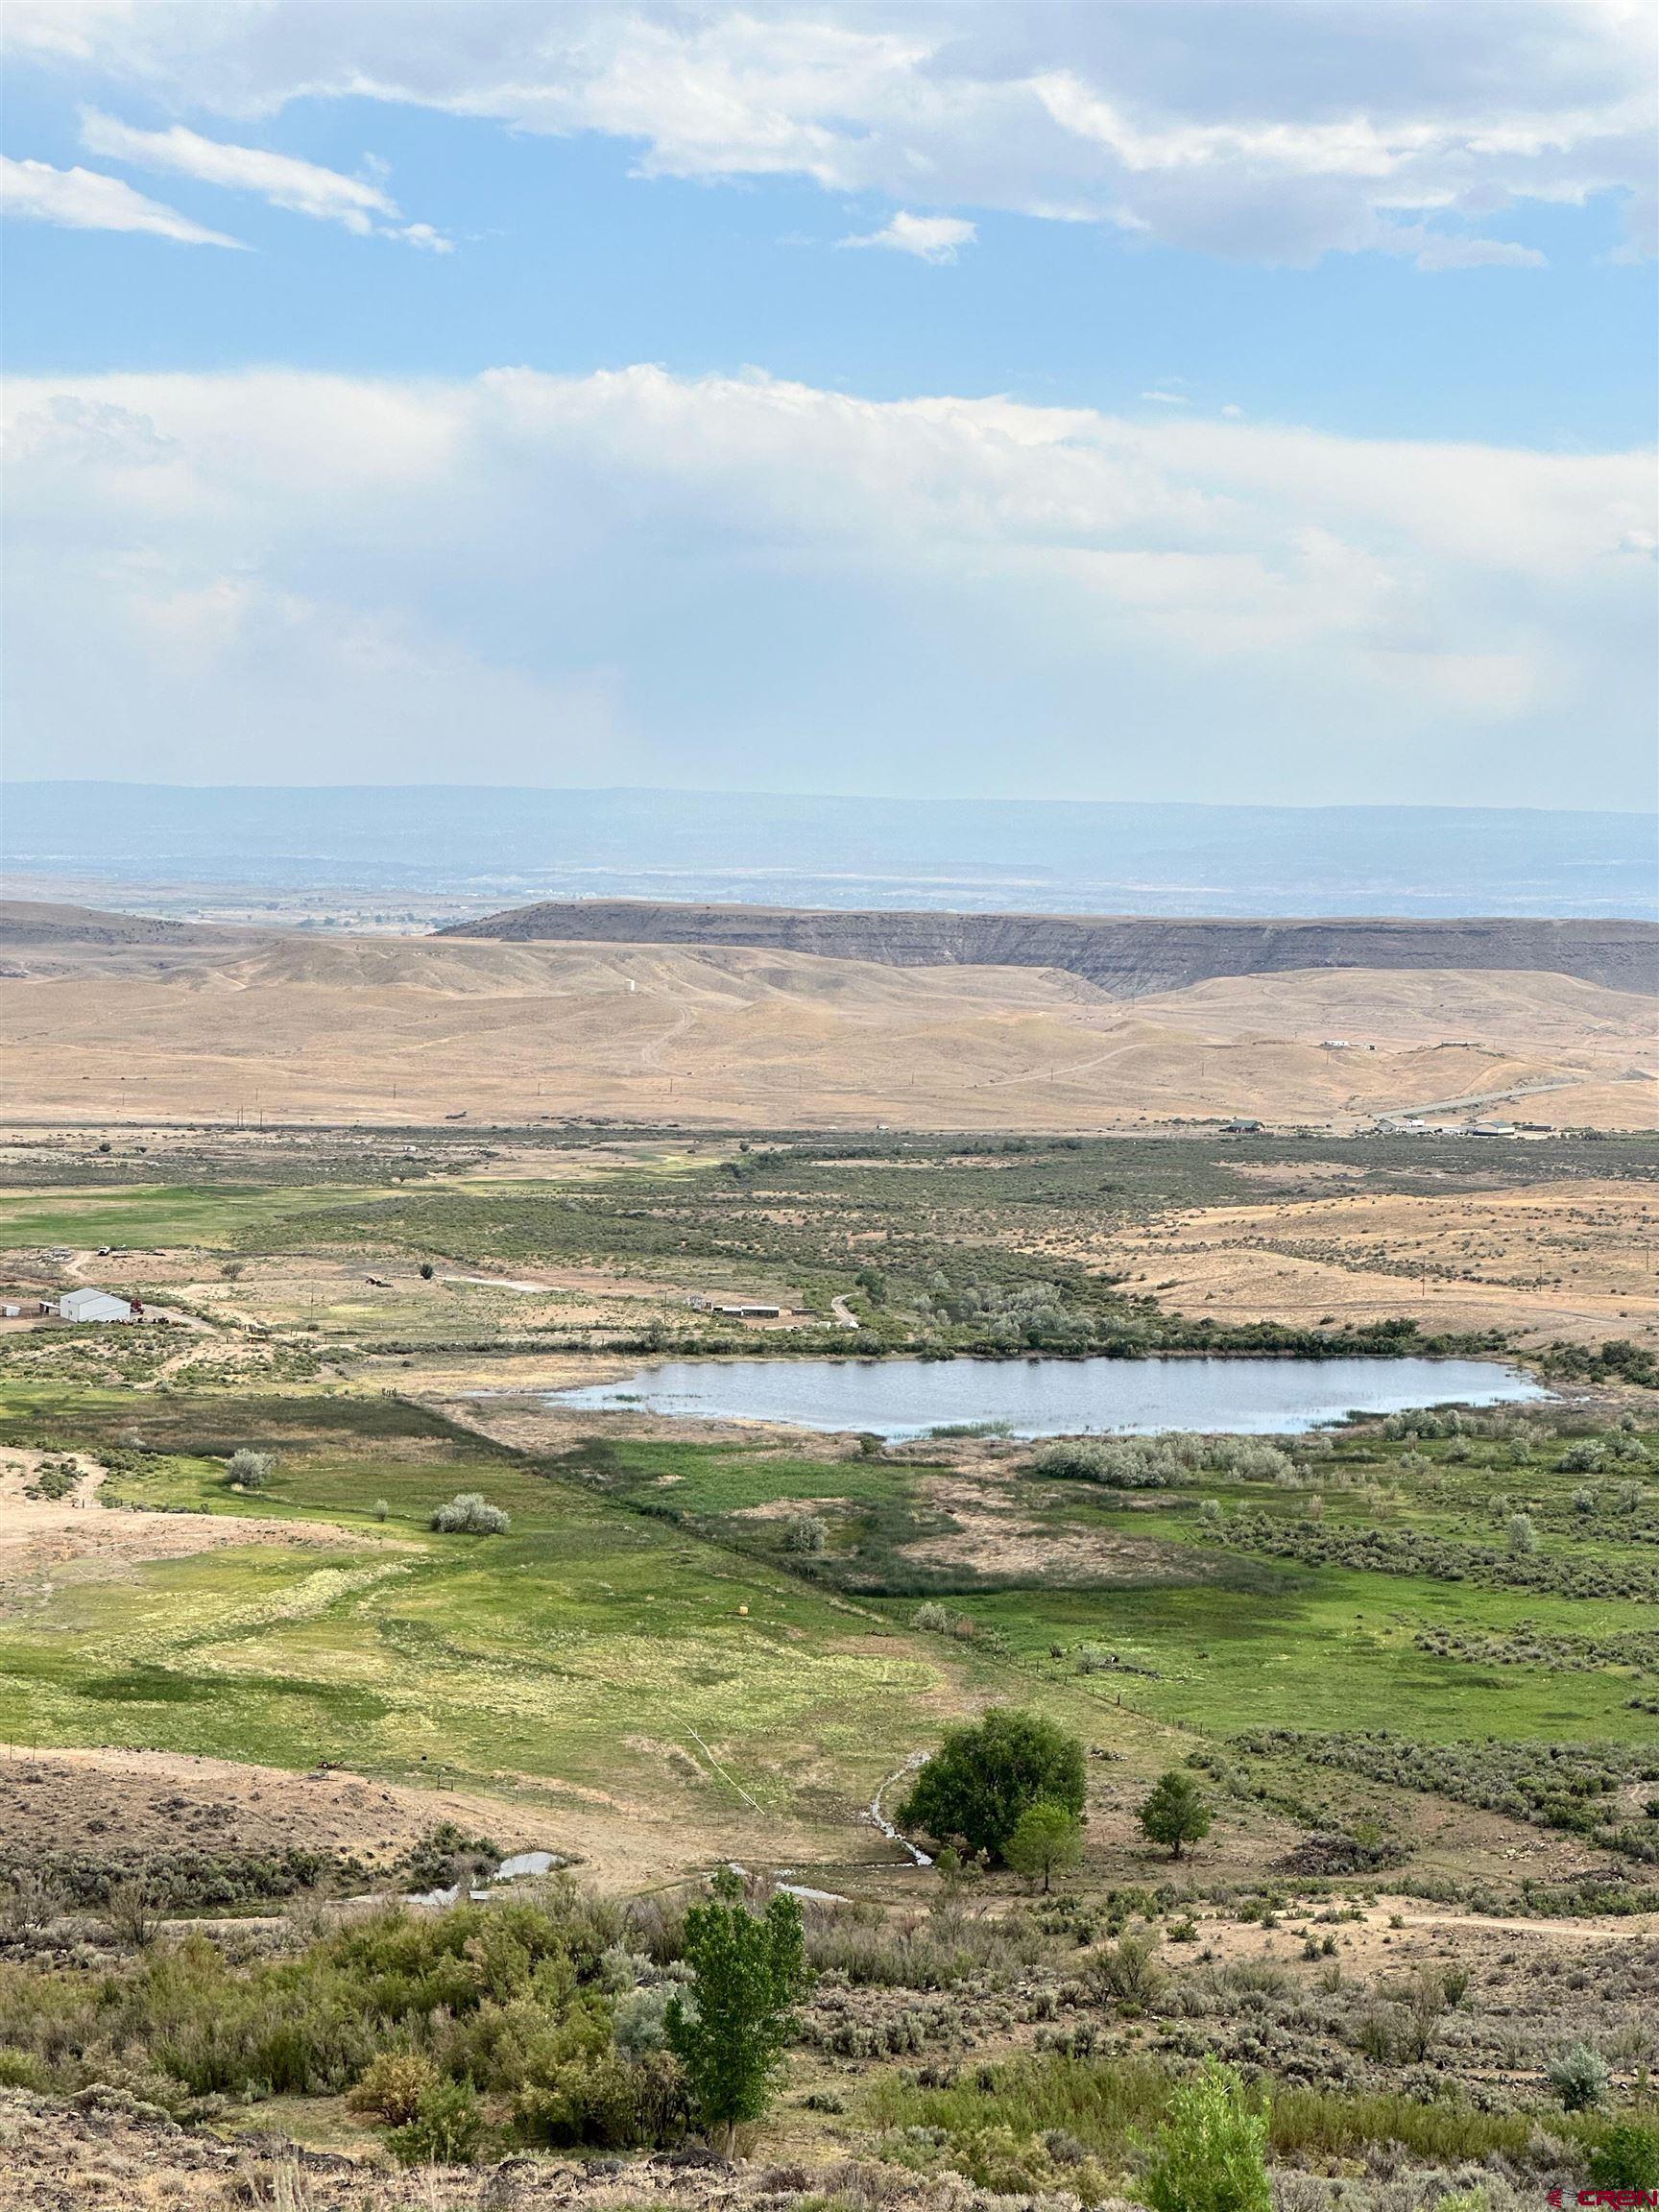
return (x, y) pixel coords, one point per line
(103, 1017)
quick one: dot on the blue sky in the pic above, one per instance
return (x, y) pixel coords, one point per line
(1157, 401)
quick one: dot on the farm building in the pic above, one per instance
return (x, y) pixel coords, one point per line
(733, 1311)
(93, 1306)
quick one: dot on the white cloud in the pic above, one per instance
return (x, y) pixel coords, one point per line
(286, 577)
(1280, 131)
(935, 238)
(85, 199)
(1169, 398)
(301, 187)
(1435, 251)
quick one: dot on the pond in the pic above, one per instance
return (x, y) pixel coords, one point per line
(900, 1397)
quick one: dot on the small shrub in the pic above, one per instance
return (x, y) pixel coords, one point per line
(1627, 2158)
(469, 1513)
(806, 1533)
(392, 2087)
(247, 1470)
(24, 2070)
(641, 2021)
(134, 1913)
(1579, 2077)
(1586, 1459)
(1422, 2002)
(29, 1900)
(1212, 2154)
(1375, 2036)
(1520, 1537)
(444, 2129)
(1126, 1972)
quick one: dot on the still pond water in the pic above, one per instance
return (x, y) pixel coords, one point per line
(897, 1398)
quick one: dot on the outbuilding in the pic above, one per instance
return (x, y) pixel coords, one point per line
(91, 1305)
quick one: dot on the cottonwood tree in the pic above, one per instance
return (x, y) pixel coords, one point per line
(1048, 1840)
(747, 1972)
(982, 1780)
(1174, 1813)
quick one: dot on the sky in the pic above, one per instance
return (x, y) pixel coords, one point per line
(1188, 399)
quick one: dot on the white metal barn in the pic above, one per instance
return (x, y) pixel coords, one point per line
(92, 1305)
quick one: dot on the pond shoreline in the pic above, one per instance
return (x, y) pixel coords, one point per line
(1036, 1397)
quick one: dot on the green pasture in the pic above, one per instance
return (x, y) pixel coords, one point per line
(591, 1646)
(1325, 1648)
(603, 1646)
(281, 1217)
(718, 1478)
(158, 1216)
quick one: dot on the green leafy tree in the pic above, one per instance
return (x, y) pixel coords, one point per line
(1174, 1813)
(1047, 1840)
(1212, 2154)
(748, 1970)
(983, 1779)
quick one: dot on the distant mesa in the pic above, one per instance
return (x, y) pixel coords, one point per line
(1128, 956)
(38, 922)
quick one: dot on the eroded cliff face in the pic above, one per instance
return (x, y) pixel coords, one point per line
(1127, 957)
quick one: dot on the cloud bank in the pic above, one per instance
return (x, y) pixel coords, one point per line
(1277, 131)
(634, 577)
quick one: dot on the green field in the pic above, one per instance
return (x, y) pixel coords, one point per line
(588, 1645)
(152, 1216)
(1325, 1650)
(600, 1643)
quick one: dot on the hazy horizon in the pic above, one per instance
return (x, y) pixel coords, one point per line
(477, 846)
